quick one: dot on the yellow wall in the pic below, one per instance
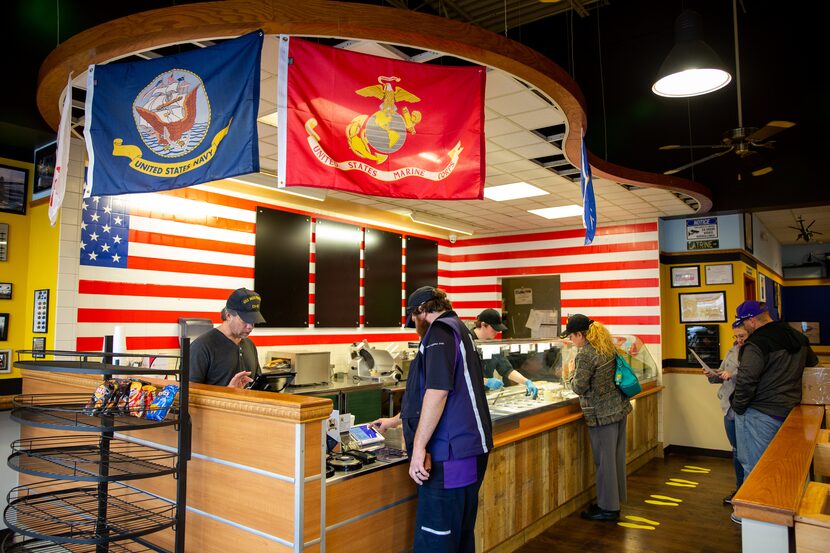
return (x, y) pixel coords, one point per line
(32, 264)
(674, 332)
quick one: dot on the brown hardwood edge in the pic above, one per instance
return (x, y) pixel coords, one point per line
(786, 462)
(6, 403)
(682, 370)
(287, 407)
(814, 500)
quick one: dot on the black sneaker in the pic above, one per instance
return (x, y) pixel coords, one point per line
(735, 518)
(728, 499)
(600, 514)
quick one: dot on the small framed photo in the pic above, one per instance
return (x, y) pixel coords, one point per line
(4, 241)
(704, 307)
(5, 361)
(682, 277)
(4, 327)
(5, 290)
(45, 158)
(13, 184)
(718, 274)
(41, 312)
(748, 245)
(38, 344)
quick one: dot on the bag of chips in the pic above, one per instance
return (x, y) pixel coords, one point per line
(135, 397)
(162, 403)
(148, 394)
(100, 398)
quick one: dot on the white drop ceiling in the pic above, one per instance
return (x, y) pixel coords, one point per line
(512, 112)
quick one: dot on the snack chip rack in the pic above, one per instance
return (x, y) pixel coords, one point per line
(92, 499)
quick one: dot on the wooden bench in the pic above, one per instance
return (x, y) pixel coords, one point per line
(769, 499)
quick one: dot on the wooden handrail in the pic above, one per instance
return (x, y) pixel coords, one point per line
(774, 488)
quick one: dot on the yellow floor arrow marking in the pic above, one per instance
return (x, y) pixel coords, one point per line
(696, 468)
(667, 498)
(681, 481)
(695, 471)
(637, 526)
(681, 485)
(641, 519)
(655, 502)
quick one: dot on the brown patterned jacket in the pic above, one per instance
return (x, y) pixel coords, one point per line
(593, 379)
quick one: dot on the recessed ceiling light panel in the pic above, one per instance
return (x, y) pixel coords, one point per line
(513, 191)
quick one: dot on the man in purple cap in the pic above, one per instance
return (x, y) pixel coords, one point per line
(225, 356)
(768, 381)
(446, 425)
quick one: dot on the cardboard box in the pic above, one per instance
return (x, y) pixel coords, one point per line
(815, 386)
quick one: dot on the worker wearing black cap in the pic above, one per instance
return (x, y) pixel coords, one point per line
(225, 356)
(487, 326)
(446, 425)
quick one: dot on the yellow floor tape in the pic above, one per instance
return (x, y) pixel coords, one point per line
(681, 481)
(637, 526)
(667, 498)
(656, 502)
(696, 468)
(694, 471)
(641, 519)
(681, 485)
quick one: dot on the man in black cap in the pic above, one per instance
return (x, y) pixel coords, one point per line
(446, 425)
(486, 327)
(225, 356)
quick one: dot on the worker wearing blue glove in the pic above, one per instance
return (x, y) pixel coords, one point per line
(487, 326)
(493, 383)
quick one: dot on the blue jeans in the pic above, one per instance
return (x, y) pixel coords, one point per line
(729, 425)
(754, 430)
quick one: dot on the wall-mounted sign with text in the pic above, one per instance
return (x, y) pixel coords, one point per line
(702, 233)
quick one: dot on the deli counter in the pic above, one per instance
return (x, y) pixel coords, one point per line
(257, 478)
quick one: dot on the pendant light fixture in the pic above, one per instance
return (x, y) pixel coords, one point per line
(692, 68)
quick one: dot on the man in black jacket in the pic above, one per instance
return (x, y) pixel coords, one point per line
(768, 384)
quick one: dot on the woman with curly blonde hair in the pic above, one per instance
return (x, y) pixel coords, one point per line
(605, 409)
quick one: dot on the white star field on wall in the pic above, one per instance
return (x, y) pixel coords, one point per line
(104, 232)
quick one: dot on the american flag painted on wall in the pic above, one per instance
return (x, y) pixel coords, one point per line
(616, 283)
(148, 259)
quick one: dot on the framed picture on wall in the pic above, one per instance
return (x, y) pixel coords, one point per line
(718, 274)
(704, 340)
(38, 344)
(4, 241)
(13, 182)
(705, 307)
(5, 290)
(748, 232)
(41, 314)
(4, 327)
(685, 276)
(5, 361)
(45, 157)
(762, 287)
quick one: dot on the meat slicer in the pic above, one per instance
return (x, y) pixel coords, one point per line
(368, 363)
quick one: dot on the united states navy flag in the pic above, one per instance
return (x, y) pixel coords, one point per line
(173, 121)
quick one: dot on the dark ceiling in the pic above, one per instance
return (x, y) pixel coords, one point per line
(612, 48)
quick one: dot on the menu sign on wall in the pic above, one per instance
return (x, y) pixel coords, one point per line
(702, 233)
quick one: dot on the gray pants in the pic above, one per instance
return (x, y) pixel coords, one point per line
(608, 447)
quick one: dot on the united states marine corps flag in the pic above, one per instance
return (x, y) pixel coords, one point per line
(173, 121)
(372, 125)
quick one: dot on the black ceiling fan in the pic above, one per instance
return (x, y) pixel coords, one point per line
(744, 141)
(804, 231)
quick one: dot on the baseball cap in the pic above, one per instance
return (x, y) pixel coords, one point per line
(416, 300)
(492, 318)
(245, 303)
(576, 323)
(748, 310)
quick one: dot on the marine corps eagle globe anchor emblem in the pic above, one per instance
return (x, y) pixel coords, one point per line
(384, 132)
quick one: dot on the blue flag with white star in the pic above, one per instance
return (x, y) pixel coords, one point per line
(105, 232)
(589, 204)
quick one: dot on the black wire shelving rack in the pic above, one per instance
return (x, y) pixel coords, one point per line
(85, 505)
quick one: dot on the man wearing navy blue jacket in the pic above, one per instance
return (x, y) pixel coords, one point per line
(446, 425)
